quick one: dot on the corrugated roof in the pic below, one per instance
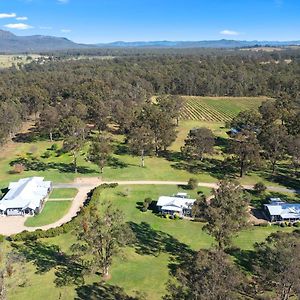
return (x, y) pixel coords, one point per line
(181, 203)
(27, 192)
(285, 210)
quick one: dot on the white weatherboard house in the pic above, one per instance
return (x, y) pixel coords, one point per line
(25, 197)
(177, 204)
(278, 210)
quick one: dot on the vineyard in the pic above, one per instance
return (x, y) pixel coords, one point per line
(216, 109)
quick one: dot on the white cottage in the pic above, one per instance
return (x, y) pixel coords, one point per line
(177, 204)
(25, 197)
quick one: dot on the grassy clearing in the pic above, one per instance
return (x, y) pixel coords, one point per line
(217, 109)
(52, 212)
(144, 267)
(7, 61)
(63, 193)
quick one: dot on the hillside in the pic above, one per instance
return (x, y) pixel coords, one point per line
(10, 43)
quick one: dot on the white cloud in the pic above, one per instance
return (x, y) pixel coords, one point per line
(63, 1)
(5, 15)
(229, 32)
(20, 26)
(65, 30)
(21, 18)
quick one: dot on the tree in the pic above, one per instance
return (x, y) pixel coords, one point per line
(277, 264)
(49, 120)
(246, 149)
(141, 141)
(269, 112)
(198, 142)
(199, 207)
(101, 233)
(294, 151)
(171, 105)
(227, 212)
(100, 151)
(209, 276)
(260, 188)
(247, 120)
(273, 139)
(74, 132)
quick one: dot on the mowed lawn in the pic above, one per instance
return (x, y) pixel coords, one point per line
(145, 266)
(68, 193)
(52, 212)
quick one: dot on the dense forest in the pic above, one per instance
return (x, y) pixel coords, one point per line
(114, 88)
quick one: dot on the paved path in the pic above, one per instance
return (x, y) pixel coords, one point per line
(12, 225)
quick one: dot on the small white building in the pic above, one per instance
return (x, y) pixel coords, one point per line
(177, 204)
(25, 197)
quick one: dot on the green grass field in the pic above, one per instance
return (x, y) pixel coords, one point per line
(52, 212)
(217, 109)
(145, 267)
(63, 193)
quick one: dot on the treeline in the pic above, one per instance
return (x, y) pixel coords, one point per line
(102, 91)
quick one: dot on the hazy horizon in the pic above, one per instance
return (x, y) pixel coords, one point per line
(107, 21)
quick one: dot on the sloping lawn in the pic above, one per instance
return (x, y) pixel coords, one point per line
(52, 212)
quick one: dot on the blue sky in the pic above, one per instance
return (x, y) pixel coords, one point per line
(91, 21)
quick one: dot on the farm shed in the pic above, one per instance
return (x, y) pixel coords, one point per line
(25, 197)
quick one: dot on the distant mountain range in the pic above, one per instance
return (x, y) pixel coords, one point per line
(199, 44)
(10, 43)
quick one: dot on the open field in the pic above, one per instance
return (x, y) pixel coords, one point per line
(7, 61)
(143, 267)
(217, 109)
(53, 211)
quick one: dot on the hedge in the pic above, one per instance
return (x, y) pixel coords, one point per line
(92, 197)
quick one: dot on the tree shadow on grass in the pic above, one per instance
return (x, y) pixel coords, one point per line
(244, 258)
(214, 167)
(116, 163)
(283, 177)
(154, 242)
(102, 291)
(33, 135)
(47, 257)
(37, 165)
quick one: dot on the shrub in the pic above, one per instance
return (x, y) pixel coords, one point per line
(146, 204)
(176, 217)
(46, 154)
(260, 188)
(297, 224)
(192, 183)
(18, 168)
(54, 147)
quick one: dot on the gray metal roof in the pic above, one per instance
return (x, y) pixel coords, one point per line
(26, 193)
